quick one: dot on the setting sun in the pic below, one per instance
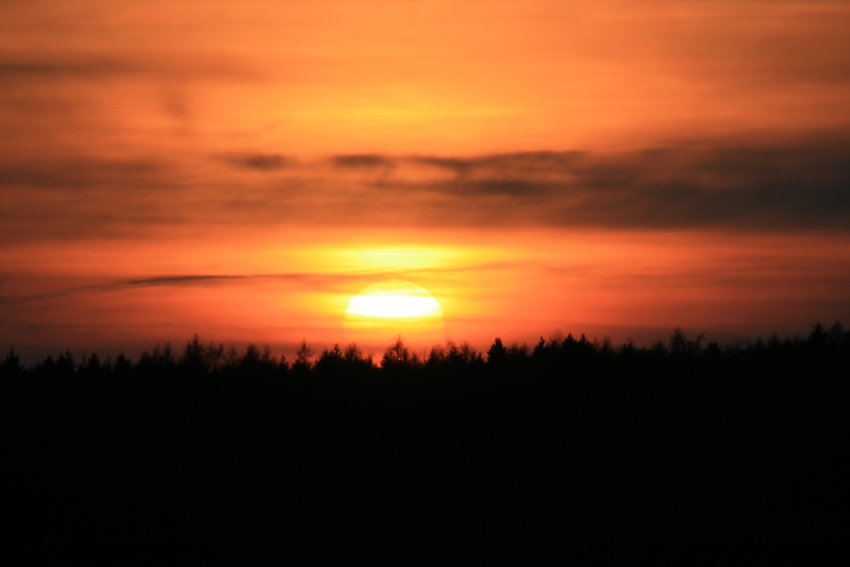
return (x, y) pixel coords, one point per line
(393, 307)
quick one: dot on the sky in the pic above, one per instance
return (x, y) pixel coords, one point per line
(241, 170)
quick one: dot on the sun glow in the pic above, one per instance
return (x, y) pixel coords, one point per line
(393, 307)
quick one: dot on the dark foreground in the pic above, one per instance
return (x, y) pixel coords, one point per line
(713, 457)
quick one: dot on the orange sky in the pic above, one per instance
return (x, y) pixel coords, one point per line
(240, 170)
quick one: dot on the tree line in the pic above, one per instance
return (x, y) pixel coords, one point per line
(559, 354)
(694, 445)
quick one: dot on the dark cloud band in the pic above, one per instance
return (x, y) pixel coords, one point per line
(801, 184)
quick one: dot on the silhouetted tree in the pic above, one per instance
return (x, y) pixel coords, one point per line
(356, 363)
(331, 363)
(91, 367)
(353, 354)
(11, 366)
(214, 357)
(65, 364)
(681, 345)
(539, 352)
(256, 361)
(468, 355)
(231, 359)
(123, 365)
(193, 359)
(628, 348)
(713, 350)
(817, 339)
(518, 353)
(45, 367)
(251, 359)
(436, 356)
(577, 352)
(161, 358)
(397, 356)
(497, 354)
(283, 365)
(303, 359)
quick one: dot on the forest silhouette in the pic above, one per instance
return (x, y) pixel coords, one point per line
(529, 452)
(559, 355)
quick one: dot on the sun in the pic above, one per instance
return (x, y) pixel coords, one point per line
(383, 310)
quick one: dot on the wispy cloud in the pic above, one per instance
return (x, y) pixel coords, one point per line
(259, 162)
(98, 67)
(312, 281)
(73, 174)
(172, 280)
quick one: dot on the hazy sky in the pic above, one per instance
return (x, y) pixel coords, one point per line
(241, 170)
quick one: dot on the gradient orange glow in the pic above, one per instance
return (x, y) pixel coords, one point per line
(243, 170)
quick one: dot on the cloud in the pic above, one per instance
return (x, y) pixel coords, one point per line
(92, 68)
(65, 174)
(166, 280)
(513, 162)
(726, 184)
(175, 280)
(324, 281)
(361, 161)
(259, 162)
(180, 280)
(737, 184)
(79, 66)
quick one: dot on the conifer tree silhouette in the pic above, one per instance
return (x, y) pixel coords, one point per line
(303, 359)
(11, 366)
(497, 353)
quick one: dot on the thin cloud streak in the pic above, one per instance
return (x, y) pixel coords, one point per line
(313, 281)
(99, 68)
(157, 281)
